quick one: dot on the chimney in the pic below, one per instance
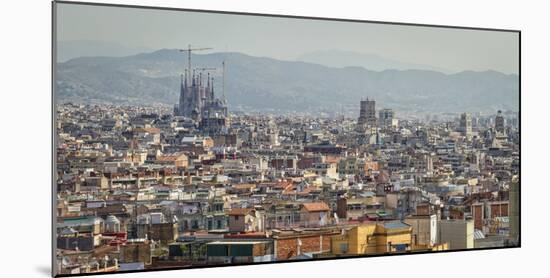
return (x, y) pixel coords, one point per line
(342, 208)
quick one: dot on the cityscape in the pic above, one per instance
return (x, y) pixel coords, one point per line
(152, 187)
(195, 139)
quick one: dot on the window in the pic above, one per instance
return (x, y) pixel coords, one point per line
(400, 247)
(240, 250)
(217, 250)
(344, 248)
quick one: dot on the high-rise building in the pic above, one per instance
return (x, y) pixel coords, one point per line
(499, 122)
(465, 124)
(367, 114)
(385, 118)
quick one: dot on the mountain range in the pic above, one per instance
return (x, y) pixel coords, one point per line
(70, 49)
(340, 59)
(266, 84)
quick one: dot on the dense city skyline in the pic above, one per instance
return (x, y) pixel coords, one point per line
(144, 183)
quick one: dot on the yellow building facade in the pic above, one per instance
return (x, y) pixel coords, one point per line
(373, 239)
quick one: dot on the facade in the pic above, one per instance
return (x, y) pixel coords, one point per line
(514, 211)
(356, 166)
(367, 115)
(164, 232)
(178, 159)
(424, 229)
(383, 238)
(136, 251)
(325, 170)
(486, 213)
(239, 251)
(290, 244)
(459, 234)
(315, 214)
(245, 220)
(499, 122)
(386, 118)
(359, 208)
(465, 124)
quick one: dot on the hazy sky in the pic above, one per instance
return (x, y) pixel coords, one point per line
(285, 38)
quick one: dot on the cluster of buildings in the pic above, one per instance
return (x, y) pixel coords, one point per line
(151, 187)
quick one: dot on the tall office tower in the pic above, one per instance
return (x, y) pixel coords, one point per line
(385, 118)
(465, 124)
(475, 122)
(499, 122)
(367, 115)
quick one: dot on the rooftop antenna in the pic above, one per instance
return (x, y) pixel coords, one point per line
(223, 80)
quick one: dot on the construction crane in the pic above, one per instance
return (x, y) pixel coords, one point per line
(205, 69)
(189, 50)
(200, 70)
(223, 80)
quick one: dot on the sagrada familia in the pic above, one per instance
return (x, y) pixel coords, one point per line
(198, 102)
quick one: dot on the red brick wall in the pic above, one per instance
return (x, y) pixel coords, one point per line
(477, 211)
(288, 247)
(499, 210)
(307, 162)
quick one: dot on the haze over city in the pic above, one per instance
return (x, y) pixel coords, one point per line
(288, 39)
(168, 154)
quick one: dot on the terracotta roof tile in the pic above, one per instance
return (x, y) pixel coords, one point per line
(314, 207)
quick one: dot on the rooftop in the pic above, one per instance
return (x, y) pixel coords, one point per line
(314, 207)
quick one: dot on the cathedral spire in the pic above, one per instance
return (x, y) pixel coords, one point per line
(181, 105)
(182, 86)
(212, 89)
(185, 79)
